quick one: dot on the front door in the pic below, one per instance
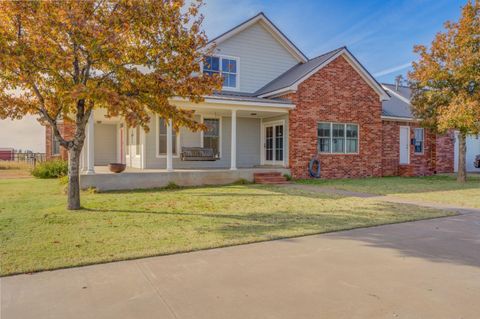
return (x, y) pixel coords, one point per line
(404, 145)
(273, 144)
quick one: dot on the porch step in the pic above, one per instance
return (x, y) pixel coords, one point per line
(269, 178)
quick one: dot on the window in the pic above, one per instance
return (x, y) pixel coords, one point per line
(162, 138)
(128, 141)
(419, 140)
(211, 137)
(338, 138)
(55, 145)
(352, 138)
(137, 141)
(324, 137)
(226, 67)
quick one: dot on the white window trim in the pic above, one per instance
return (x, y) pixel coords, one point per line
(202, 118)
(344, 137)
(423, 141)
(157, 140)
(237, 60)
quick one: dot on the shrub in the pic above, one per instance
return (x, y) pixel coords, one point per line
(172, 186)
(242, 181)
(51, 169)
(288, 177)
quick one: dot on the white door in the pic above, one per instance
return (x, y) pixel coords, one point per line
(404, 145)
(273, 144)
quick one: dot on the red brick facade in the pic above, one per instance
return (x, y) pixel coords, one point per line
(337, 93)
(67, 130)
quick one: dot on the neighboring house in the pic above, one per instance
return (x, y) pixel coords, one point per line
(280, 109)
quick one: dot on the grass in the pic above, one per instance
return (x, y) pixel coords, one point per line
(12, 165)
(38, 233)
(441, 189)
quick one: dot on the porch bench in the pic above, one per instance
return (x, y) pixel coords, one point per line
(197, 154)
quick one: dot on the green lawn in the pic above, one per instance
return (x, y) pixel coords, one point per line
(437, 189)
(38, 233)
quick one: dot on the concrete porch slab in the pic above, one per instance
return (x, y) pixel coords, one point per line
(104, 180)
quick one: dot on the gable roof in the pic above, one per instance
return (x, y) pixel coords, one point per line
(294, 74)
(399, 104)
(271, 28)
(290, 80)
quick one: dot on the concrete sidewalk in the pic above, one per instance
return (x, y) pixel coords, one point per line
(424, 269)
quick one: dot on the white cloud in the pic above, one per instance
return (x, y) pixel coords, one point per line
(393, 69)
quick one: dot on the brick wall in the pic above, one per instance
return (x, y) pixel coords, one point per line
(445, 153)
(336, 93)
(67, 129)
(437, 156)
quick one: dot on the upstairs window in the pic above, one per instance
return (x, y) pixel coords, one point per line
(337, 138)
(419, 140)
(226, 67)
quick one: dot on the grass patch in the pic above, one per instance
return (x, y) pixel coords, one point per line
(11, 165)
(442, 189)
(38, 233)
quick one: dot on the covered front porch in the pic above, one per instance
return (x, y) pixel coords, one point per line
(244, 136)
(132, 178)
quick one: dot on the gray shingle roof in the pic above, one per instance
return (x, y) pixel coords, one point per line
(396, 107)
(296, 73)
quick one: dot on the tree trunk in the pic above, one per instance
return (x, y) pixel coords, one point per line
(462, 151)
(74, 179)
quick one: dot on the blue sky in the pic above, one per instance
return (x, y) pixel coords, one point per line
(381, 34)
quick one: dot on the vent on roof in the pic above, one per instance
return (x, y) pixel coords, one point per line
(398, 82)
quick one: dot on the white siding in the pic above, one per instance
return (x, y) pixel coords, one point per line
(473, 149)
(248, 146)
(262, 57)
(105, 144)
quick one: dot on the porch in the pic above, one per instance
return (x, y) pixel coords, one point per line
(134, 178)
(245, 136)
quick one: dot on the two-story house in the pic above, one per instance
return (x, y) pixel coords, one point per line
(278, 109)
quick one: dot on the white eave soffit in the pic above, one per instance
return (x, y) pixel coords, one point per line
(271, 28)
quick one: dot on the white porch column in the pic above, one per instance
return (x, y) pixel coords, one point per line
(89, 146)
(169, 147)
(233, 156)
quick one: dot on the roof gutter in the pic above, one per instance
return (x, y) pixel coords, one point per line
(400, 119)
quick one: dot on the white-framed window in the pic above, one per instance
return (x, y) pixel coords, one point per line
(55, 145)
(128, 141)
(212, 136)
(162, 139)
(227, 67)
(137, 141)
(337, 138)
(419, 140)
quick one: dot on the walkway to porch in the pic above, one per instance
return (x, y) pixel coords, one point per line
(134, 178)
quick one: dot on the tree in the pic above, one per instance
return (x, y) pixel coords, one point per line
(62, 59)
(445, 81)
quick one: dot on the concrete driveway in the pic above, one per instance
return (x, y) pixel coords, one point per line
(425, 269)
